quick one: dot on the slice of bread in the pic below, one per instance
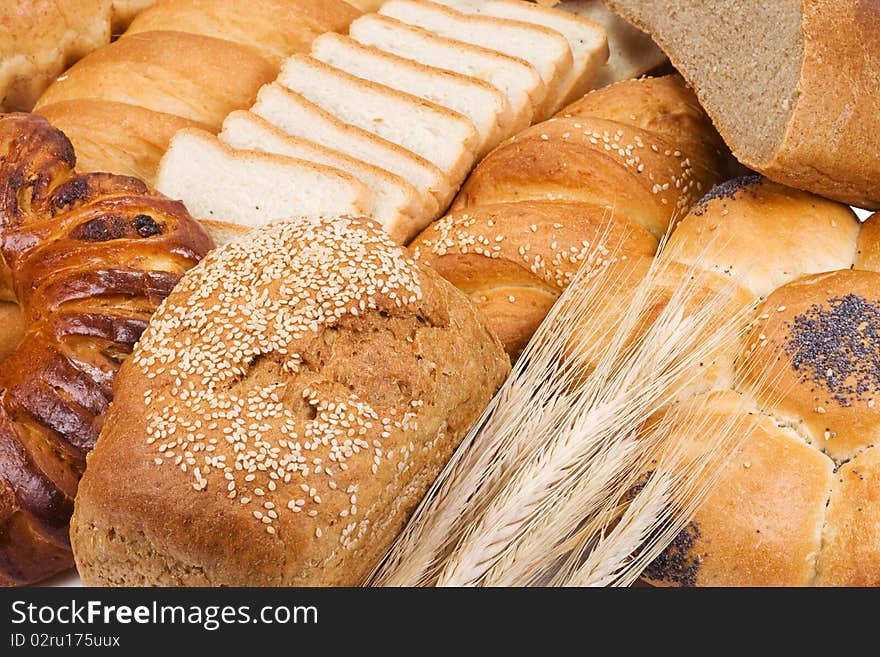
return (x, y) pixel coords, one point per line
(441, 136)
(218, 183)
(396, 203)
(586, 39)
(514, 77)
(296, 116)
(545, 49)
(483, 104)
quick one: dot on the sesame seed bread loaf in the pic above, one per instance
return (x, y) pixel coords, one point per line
(803, 108)
(284, 413)
(545, 49)
(514, 77)
(603, 179)
(258, 188)
(396, 203)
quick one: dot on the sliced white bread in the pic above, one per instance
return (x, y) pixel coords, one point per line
(513, 76)
(223, 232)
(296, 116)
(441, 136)
(218, 183)
(587, 40)
(483, 104)
(545, 49)
(396, 203)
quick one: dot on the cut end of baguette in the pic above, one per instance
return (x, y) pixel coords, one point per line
(252, 189)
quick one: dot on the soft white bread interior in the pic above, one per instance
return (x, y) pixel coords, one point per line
(257, 188)
(514, 77)
(296, 116)
(224, 232)
(483, 104)
(441, 136)
(547, 50)
(396, 203)
(586, 39)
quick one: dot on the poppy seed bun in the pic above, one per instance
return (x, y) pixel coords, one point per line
(284, 413)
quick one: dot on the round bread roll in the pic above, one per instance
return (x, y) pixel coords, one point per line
(762, 523)
(286, 410)
(189, 75)
(730, 231)
(623, 281)
(116, 137)
(813, 359)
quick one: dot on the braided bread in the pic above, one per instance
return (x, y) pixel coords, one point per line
(796, 504)
(89, 258)
(605, 175)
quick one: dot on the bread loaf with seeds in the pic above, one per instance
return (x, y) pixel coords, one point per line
(284, 413)
(601, 180)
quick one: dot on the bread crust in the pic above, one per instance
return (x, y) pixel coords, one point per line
(421, 358)
(830, 144)
(155, 70)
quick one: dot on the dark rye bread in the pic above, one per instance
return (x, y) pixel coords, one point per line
(793, 86)
(284, 413)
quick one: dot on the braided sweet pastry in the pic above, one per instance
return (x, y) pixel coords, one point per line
(88, 258)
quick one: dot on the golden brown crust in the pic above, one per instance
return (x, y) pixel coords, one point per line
(335, 372)
(762, 524)
(276, 28)
(89, 259)
(868, 249)
(810, 359)
(155, 70)
(116, 137)
(39, 39)
(852, 529)
(515, 259)
(829, 144)
(764, 235)
(12, 328)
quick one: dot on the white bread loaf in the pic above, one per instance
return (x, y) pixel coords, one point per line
(514, 77)
(257, 188)
(484, 105)
(296, 116)
(441, 136)
(586, 39)
(396, 203)
(543, 48)
(276, 28)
